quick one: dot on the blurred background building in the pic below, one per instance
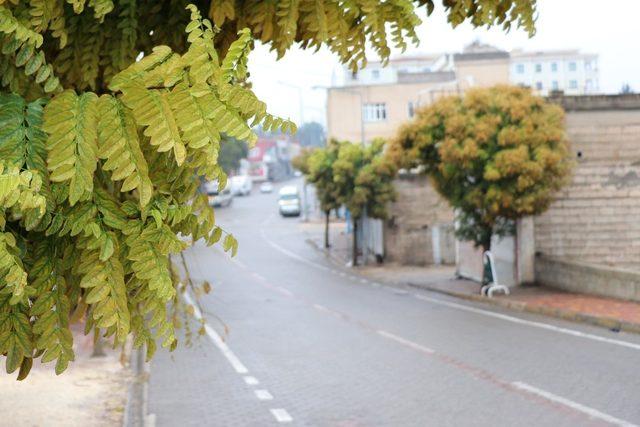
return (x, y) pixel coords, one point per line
(374, 101)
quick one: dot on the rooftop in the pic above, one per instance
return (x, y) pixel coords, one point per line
(519, 53)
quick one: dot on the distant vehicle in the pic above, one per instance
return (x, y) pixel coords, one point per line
(241, 185)
(289, 201)
(297, 174)
(216, 197)
(266, 187)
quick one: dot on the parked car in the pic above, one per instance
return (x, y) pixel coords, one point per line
(289, 201)
(216, 197)
(266, 187)
(241, 185)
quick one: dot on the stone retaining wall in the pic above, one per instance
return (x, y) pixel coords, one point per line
(579, 277)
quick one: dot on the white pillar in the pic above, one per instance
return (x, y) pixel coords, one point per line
(525, 251)
(435, 244)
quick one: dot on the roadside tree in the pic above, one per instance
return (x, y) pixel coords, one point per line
(319, 167)
(110, 112)
(311, 134)
(232, 151)
(495, 154)
(364, 178)
(301, 161)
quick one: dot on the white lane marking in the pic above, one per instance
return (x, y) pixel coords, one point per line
(320, 307)
(593, 413)
(240, 263)
(540, 325)
(217, 341)
(263, 395)
(258, 276)
(291, 254)
(281, 415)
(251, 380)
(405, 342)
(285, 291)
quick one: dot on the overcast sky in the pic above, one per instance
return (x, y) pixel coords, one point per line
(609, 29)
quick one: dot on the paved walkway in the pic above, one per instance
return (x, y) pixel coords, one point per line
(606, 312)
(91, 392)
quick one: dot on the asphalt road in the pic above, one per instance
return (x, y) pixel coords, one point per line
(313, 344)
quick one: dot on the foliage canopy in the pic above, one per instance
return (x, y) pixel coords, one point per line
(231, 152)
(101, 156)
(364, 178)
(495, 154)
(319, 172)
(311, 134)
(95, 191)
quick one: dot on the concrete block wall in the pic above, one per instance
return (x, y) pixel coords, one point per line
(586, 278)
(596, 219)
(409, 235)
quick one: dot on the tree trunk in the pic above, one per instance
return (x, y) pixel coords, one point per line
(486, 240)
(354, 248)
(326, 229)
(98, 345)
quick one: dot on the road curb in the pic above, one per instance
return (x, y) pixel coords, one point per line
(573, 316)
(334, 259)
(136, 406)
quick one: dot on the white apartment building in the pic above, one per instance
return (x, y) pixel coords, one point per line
(396, 70)
(570, 71)
(375, 101)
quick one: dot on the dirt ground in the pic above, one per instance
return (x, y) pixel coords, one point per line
(91, 392)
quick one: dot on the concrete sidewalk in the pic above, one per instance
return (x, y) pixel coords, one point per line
(91, 392)
(609, 313)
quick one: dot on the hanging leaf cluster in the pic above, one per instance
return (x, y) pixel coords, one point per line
(110, 117)
(349, 27)
(97, 190)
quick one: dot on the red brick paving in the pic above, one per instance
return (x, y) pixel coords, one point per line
(592, 305)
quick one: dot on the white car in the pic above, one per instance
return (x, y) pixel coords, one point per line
(289, 201)
(266, 187)
(216, 197)
(241, 185)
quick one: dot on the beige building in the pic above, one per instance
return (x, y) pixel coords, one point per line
(375, 101)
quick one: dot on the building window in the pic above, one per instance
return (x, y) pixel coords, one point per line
(375, 74)
(554, 85)
(412, 109)
(573, 84)
(588, 85)
(539, 85)
(538, 68)
(376, 112)
(520, 68)
(587, 65)
(572, 66)
(554, 67)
